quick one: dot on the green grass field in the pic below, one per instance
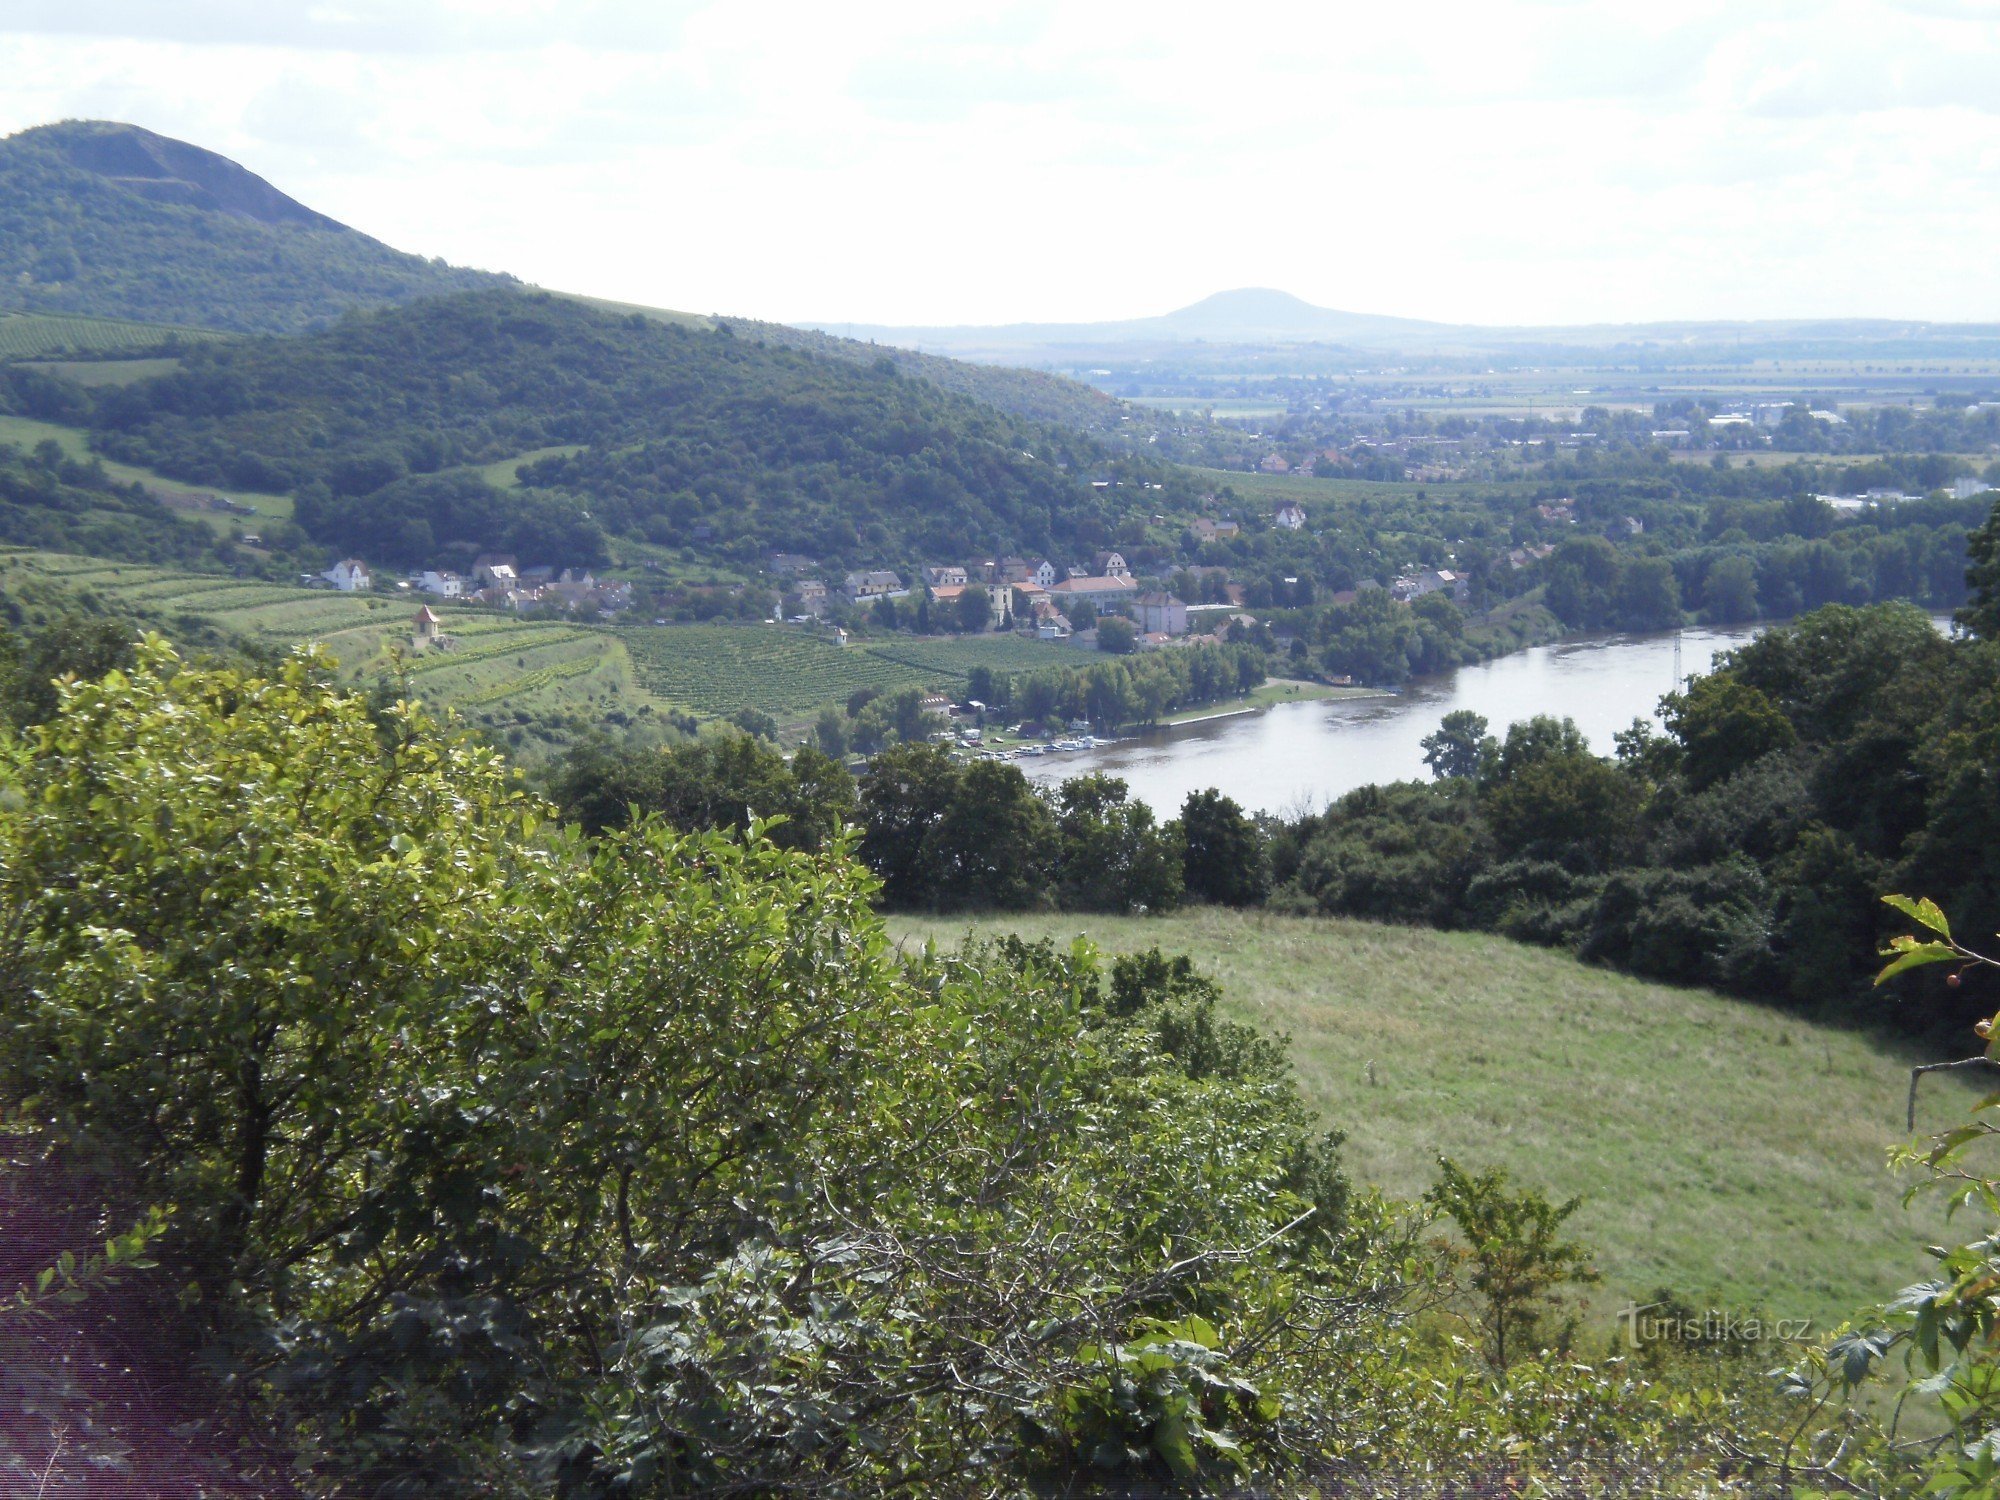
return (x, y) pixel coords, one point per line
(28, 432)
(1722, 1148)
(504, 473)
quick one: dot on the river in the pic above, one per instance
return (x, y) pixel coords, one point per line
(1298, 756)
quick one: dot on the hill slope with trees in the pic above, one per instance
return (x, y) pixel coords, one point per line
(112, 221)
(680, 435)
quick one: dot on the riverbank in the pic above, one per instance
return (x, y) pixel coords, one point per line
(1275, 690)
(1301, 754)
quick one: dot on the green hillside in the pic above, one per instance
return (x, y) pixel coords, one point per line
(111, 221)
(673, 435)
(1722, 1148)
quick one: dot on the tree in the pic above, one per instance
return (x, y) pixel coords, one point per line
(1113, 857)
(1513, 1244)
(79, 646)
(830, 733)
(1568, 802)
(1459, 745)
(755, 722)
(945, 837)
(1724, 724)
(1116, 634)
(1648, 595)
(1729, 590)
(1223, 859)
(1981, 614)
(1530, 740)
(974, 611)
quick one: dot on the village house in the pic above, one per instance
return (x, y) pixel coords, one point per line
(1205, 530)
(1104, 593)
(497, 572)
(1561, 511)
(945, 577)
(1414, 586)
(1521, 557)
(789, 564)
(1045, 573)
(876, 583)
(812, 596)
(446, 585)
(349, 575)
(1160, 613)
(1274, 463)
(1291, 515)
(1110, 565)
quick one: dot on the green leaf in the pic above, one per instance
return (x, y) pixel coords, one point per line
(1914, 956)
(1924, 912)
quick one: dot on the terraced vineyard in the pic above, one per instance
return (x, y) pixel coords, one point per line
(717, 669)
(33, 335)
(501, 668)
(955, 658)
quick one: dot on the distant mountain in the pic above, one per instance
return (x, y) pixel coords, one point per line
(1248, 315)
(109, 220)
(1259, 318)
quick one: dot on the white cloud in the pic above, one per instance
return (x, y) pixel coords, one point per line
(1521, 160)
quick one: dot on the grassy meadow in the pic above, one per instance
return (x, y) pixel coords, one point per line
(30, 432)
(1725, 1149)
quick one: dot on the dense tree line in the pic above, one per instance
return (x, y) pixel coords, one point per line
(939, 833)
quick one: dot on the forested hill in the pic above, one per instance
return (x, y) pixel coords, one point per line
(112, 221)
(676, 435)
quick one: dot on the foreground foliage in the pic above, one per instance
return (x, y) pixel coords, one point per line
(492, 1160)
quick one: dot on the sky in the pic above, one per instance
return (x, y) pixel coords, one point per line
(889, 161)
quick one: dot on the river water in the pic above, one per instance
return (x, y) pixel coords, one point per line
(1298, 756)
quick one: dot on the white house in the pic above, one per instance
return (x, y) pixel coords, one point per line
(349, 575)
(876, 583)
(1045, 573)
(499, 571)
(1160, 613)
(1291, 515)
(945, 577)
(445, 585)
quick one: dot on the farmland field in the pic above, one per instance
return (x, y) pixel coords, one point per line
(1723, 1148)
